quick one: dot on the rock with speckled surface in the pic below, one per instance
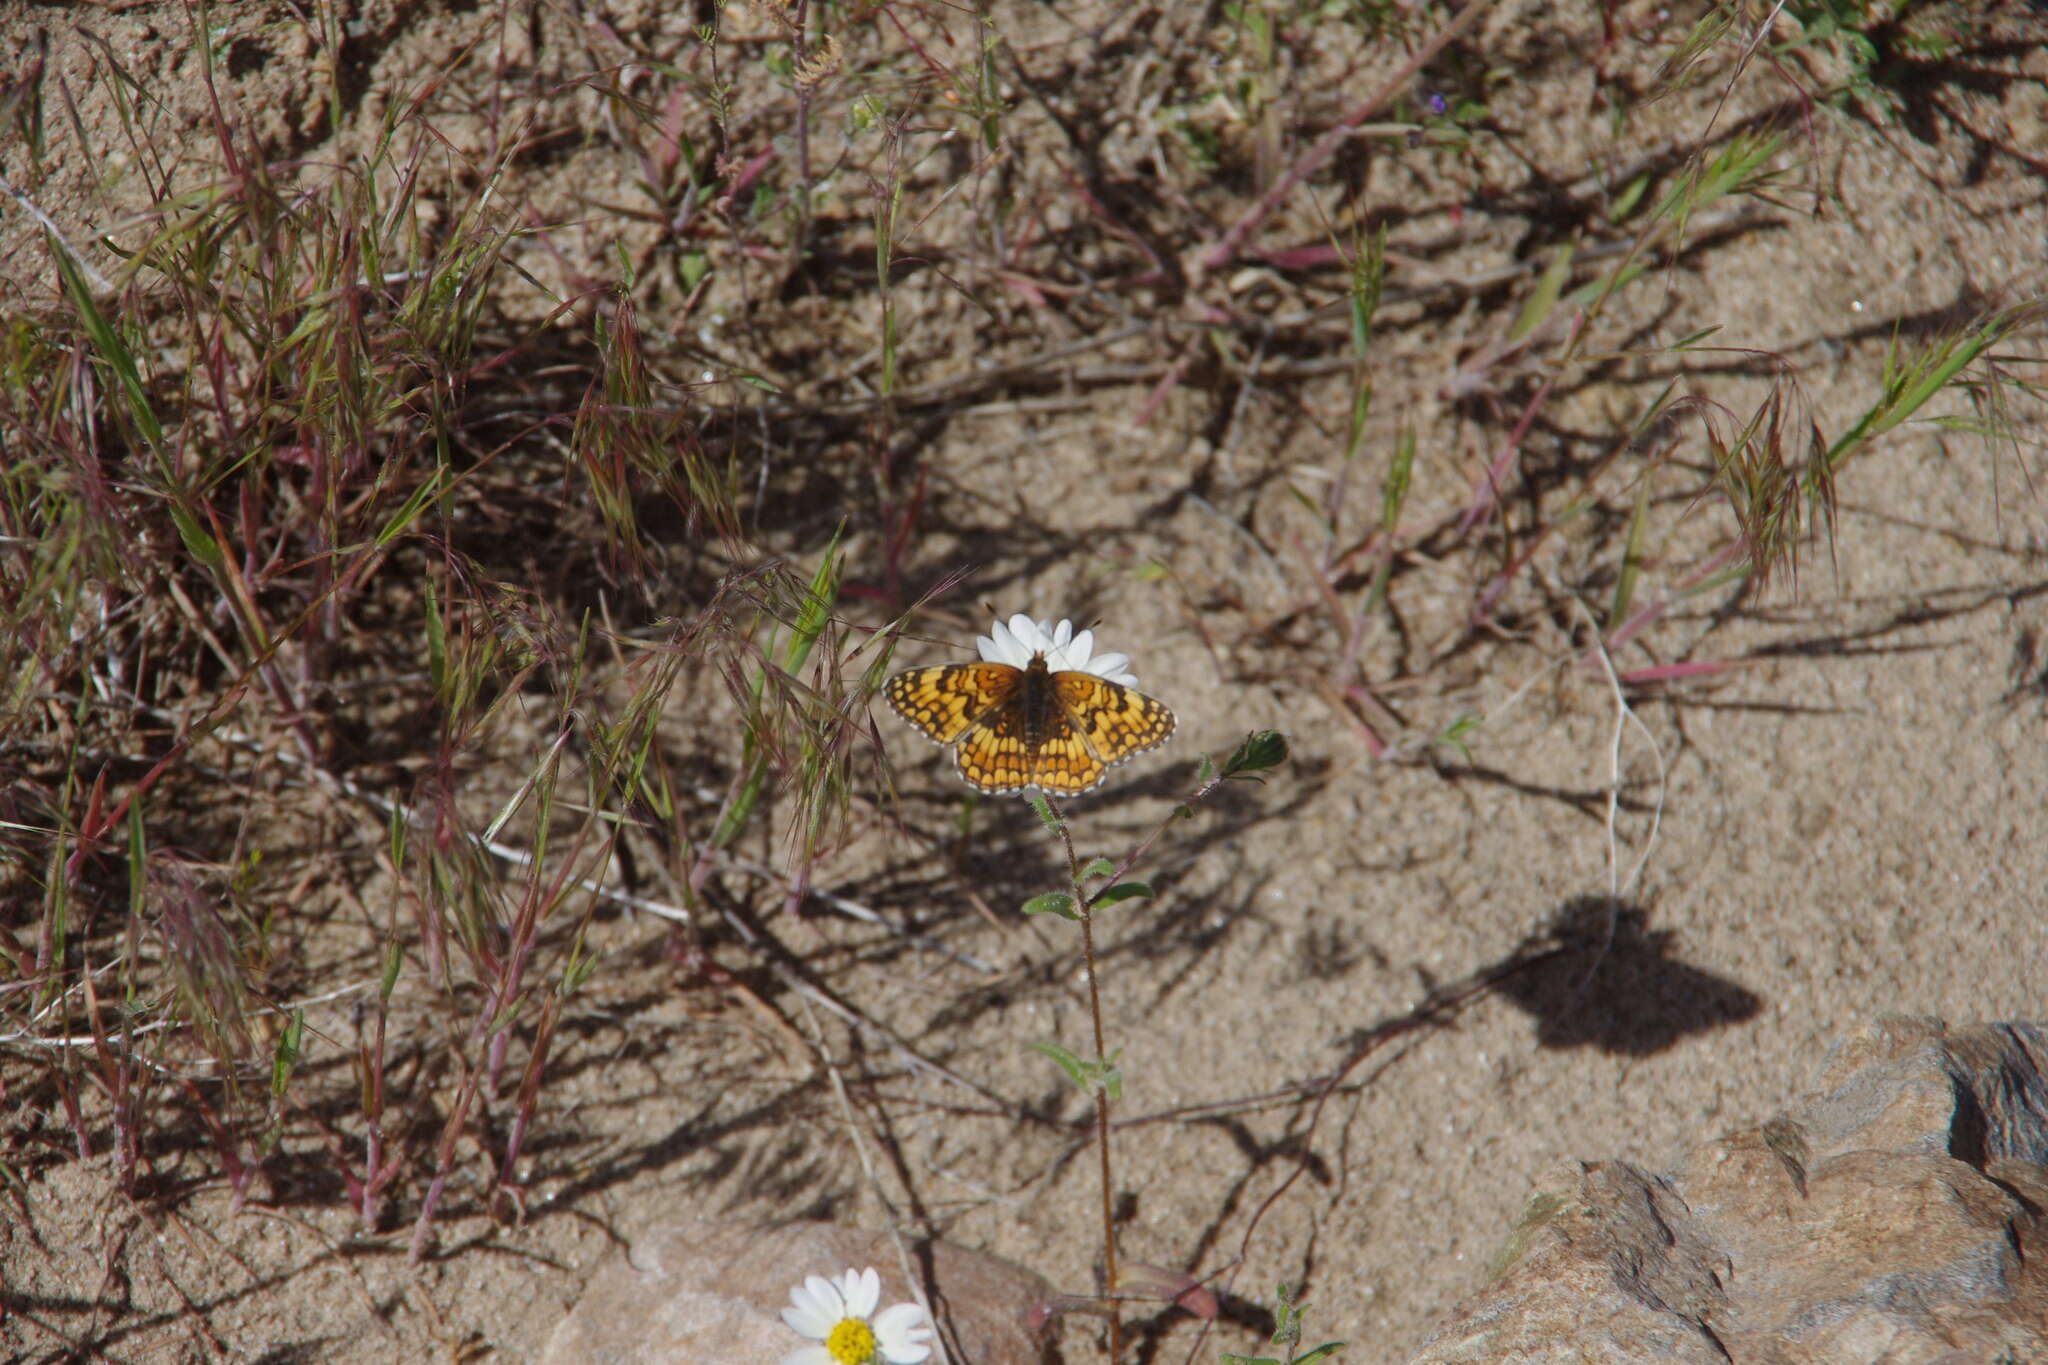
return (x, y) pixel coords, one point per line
(1899, 1213)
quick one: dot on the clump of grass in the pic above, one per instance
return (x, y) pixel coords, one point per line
(225, 451)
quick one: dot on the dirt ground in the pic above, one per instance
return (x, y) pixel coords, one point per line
(1845, 820)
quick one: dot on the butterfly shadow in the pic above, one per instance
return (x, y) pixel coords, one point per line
(1596, 975)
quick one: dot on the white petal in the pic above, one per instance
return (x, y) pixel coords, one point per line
(1008, 648)
(1115, 667)
(1062, 632)
(904, 1322)
(1081, 648)
(809, 1355)
(863, 1290)
(900, 1334)
(815, 1308)
(1032, 635)
(806, 1323)
(828, 1296)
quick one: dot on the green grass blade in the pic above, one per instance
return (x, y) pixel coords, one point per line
(1542, 301)
(108, 343)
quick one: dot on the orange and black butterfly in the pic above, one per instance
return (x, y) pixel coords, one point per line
(1010, 728)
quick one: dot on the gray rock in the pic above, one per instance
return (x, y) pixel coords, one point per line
(696, 1291)
(1896, 1215)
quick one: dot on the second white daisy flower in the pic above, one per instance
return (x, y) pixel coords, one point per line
(839, 1317)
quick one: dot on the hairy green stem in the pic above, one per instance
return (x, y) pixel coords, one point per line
(1109, 1284)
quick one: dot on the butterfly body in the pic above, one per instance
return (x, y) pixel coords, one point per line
(1040, 709)
(1012, 728)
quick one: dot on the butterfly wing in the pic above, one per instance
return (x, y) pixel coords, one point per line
(943, 701)
(995, 754)
(1114, 721)
(1062, 763)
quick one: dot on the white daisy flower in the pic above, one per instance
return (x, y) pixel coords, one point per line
(1065, 652)
(839, 1315)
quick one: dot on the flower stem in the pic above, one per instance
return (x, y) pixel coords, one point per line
(1101, 1091)
(1102, 1140)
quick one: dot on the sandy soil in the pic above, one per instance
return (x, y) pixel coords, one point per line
(1845, 821)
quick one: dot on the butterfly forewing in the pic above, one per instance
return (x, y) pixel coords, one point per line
(944, 700)
(1116, 722)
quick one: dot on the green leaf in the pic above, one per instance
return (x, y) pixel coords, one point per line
(1067, 1061)
(1052, 903)
(866, 112)
(1038, 803)
(1101, 867)
(1542, 300)
(1912, 382)
(816, 611)
(580, 968)
(437, 652)
(811, 618)
(742, 808)
(1089, 1075)
(1454, 736)
(198, 540)
(1394, 492)
(1122, 891)
(1586, 294)
(107, 342)
(1740, 167)
(430, 488)
(1262, 749)
(1368, 262)
(1631, 558)
(287, 1055)
(1631, 194)
(1328, 1348)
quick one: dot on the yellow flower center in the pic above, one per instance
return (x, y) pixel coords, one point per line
(852, 1342)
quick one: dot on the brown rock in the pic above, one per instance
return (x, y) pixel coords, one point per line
(1896, 1214)
(697, 1291)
